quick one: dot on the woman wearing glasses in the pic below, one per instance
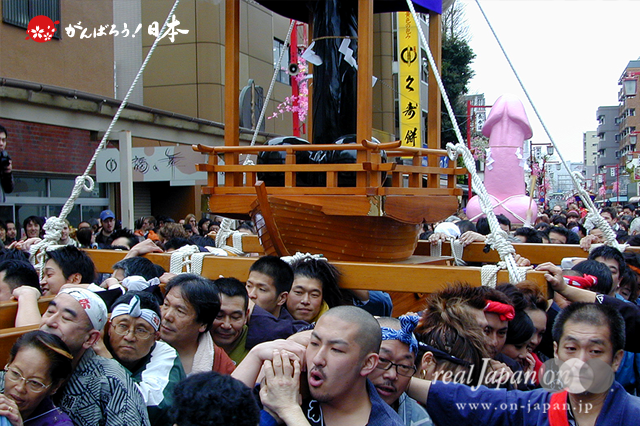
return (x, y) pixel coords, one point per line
(39, 363)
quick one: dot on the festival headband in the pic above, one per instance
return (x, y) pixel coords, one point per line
(585, 282)
(133, 308)
(407, 324)
(506, 312)
(442, 354)
(92, 304)
(138, 283)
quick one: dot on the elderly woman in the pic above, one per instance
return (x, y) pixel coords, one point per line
(39, 363)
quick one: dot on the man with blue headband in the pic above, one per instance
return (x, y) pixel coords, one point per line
(396, 366)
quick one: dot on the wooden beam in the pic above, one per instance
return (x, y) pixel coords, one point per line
(250, 244)
(356, 275)
(9, 309)
(434, 117)
(536, 253)
(8, 337)
(365, 91)
(232, 82)
(434, 111)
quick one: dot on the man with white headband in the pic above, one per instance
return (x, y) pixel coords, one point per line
(396, 366)
(99, 392)
(131, 338)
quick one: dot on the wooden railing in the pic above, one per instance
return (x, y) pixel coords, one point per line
(405, 179)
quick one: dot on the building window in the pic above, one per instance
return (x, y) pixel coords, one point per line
(45, 196)
(20, 12)
(424, 66)
(283, 75)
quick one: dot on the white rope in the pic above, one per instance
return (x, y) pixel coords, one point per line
(302, 256)
(594, 215)
(576, 178)
(498, 237)
(223, 235)
(181, 259)
(197, 259)
(276, 70)
(436, 249)
(456, 250)
(489, 275)
(53, 225)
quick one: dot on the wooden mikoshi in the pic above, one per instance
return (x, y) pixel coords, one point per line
(370, 221)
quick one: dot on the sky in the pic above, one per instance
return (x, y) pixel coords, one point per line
(569, 55)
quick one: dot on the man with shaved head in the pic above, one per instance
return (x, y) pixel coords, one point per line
(342, 352)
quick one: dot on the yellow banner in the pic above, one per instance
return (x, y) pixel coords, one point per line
(409, 81)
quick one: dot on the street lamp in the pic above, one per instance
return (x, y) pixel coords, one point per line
(535, 157)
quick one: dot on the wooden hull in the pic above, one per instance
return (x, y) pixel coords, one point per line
(286, 227)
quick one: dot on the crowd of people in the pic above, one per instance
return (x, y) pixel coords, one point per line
(558, 225)
(290, 346)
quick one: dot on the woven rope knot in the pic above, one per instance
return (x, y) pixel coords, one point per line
(224, 233)
(181, 258)
(452, 151)
(302, 256)
(87, 183)
(53, 228)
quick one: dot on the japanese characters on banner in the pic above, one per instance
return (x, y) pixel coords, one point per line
(152, 164)
(409, 81)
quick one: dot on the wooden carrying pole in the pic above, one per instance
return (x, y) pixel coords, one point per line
(356, 275)
(232, 84)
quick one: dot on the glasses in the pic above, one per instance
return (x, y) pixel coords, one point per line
(31, 384)
(402, 370)
(138, 333)
(443, 355)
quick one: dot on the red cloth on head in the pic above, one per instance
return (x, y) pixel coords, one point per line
(586, 281)
(506, 312)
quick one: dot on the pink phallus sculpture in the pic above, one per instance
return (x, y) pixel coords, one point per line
(507, 127)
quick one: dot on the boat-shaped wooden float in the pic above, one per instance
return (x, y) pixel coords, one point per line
(376, 217)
